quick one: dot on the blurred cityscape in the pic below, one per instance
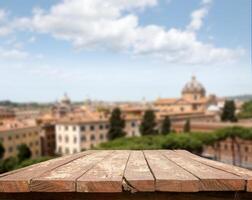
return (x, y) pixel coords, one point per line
(66, 127)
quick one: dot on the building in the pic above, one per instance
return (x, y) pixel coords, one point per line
(63, 107)
(74, 134)
(14, 133)
(193, 102)
(6, 113)
(238, 153)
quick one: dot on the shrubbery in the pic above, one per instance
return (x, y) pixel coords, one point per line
(193, 142)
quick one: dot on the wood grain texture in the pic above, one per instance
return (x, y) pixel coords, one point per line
(63, 178)
(106, 176)
(19, 180)
(169, 176)
(138, 176)
(244, 173)
(123, 171)
(211, 179)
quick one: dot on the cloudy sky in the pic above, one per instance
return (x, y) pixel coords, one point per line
(123, 49)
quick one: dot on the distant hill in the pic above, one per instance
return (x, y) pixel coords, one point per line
(246, 97)
(7, 103)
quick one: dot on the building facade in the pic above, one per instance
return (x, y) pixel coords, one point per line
(15, 133)
(193, 101)
(75, 136)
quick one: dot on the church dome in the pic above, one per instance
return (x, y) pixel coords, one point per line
(65, 99)
(193, 86)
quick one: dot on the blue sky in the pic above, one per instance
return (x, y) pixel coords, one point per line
(123, 49)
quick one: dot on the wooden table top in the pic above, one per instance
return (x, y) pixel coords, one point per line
(133, 171)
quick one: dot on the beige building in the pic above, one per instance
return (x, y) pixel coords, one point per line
(75, 134)
(14, 133)
(193, 101)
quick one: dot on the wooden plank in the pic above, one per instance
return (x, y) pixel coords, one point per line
(63, 178)
(106, 176)
(138, 176)
(211, 179)
(19, 180)
(169, 176)
(244, 173)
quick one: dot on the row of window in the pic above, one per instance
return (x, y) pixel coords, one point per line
(10, 149)
(18, 136)
(83, 138)
(66, 150)
(91, 127)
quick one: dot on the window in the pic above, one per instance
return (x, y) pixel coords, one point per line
(9, 138)
(133, 124)
(101, 136)
(67, 150)
(195, 107)
(66, 139)
(107, 126)
(246, 149)
(60, 150)
(60, 138)
(83, 138)
(92, 137)
(101, 127)
(37, 143)
(10, 149)
(182, 109)
(195, 97)
(83, 128)
(226, 147)
(74, 128)
(24, 136)
(75, 151)
(92, 128)
(75, 140)
(17, 136)
(31, 144)
(1, 139)
(66, 128)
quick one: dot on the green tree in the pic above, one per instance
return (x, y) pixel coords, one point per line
(246, 110)
(23, 152)
(166, 126)
(228, 113)
(2, 150)
(148, 124)
(187, 126)
(8, 164)
(117, 124)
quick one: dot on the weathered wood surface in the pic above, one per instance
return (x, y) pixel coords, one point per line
(244, 173)
(132, 171)
(211, 179)
(63, 178)
(138, 176)
(19, 180)
(106, 176)
(169, 176)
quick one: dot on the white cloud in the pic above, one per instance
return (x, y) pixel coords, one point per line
(113, 25)
(32, 39)
(13, 54)
(198, 16)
